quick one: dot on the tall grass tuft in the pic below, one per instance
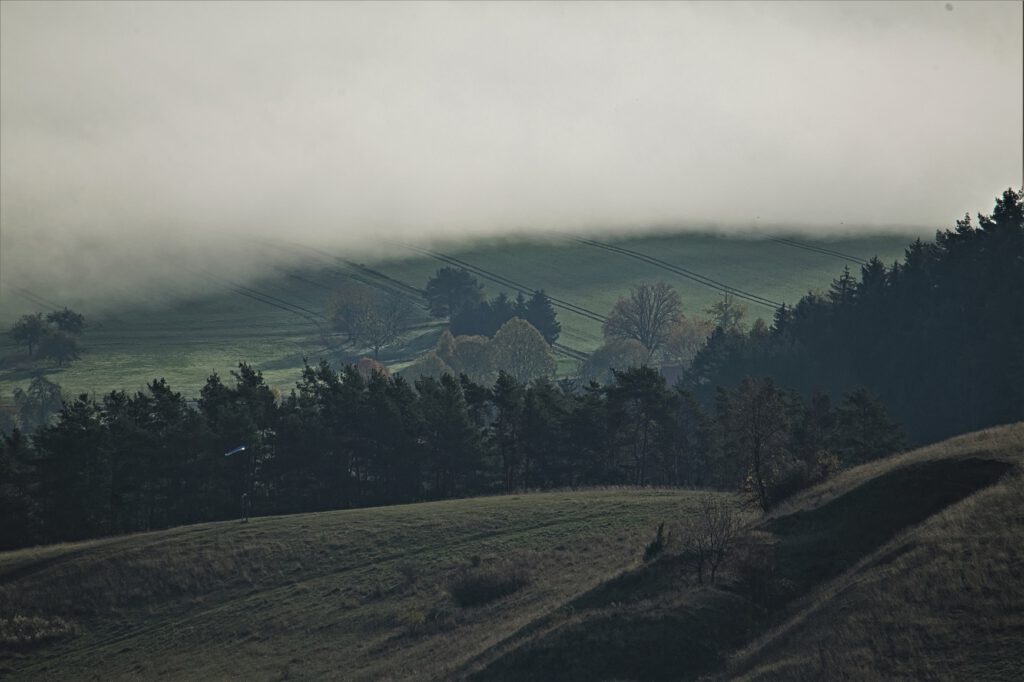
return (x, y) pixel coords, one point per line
(476, 586)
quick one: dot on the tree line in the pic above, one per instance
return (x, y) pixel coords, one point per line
(939, 336)
(128, 462)
(375, 319)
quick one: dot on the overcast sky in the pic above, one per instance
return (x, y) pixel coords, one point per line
(131, 130)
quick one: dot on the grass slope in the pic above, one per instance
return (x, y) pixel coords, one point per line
(275, 321)
(907, 568)
(943, 599)
(358, 594)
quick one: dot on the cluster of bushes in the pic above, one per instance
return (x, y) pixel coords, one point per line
(517, 349)
(704, 538)
(479, 584)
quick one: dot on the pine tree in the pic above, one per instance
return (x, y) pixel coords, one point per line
(541, 314)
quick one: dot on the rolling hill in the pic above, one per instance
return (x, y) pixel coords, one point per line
(906, 567)
(359, 594)
(278, 318)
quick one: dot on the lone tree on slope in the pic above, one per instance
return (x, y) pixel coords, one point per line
(67, 321)
(29, 331)
(647, 315)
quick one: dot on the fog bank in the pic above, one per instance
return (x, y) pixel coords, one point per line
(140, 138)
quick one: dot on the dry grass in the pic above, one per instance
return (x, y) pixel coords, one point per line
(359, 594)
(1004, 443)
(942, 600)
(478, 585)
(907, 568)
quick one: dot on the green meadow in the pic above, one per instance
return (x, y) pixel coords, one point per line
(275, 321)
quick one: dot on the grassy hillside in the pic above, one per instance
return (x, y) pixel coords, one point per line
(276, 320)
(907, 568)
(359, 594)
(942, 600)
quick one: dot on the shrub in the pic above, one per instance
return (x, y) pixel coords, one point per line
(482, 585)
(657, 545)
(23, 631)
(409, 572)
(709, 535)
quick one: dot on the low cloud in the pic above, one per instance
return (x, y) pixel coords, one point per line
(143, 140)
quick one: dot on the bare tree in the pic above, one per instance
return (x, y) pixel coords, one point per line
(711, 533)
(29, 331)
(382, 322)
(369, 318)
(755, 422)
(647, 315)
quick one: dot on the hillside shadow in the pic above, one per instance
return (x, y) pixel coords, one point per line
(633, 644)
(818, 544)
(654, 624)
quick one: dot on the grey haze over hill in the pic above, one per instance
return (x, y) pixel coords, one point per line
(141, 140)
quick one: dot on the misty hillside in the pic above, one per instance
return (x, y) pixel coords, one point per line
(493, 342)
(277, 319)
(916, 557)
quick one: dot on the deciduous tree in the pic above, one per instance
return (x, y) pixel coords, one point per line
(754, 419)
(647, 315)
(68, 321)
(369, 318)
(37, 402)
(686, 339)
(615, 354)
(727, 313)
(519, 349)
(60, 347)
(28, 331)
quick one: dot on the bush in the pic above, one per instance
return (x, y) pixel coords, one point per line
(657, 545)
(410, 572)
(797, 475)
(477, 586)
(23, 631)
(709, 535)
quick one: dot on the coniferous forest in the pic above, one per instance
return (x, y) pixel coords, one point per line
(900, 354)
(939, 338)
